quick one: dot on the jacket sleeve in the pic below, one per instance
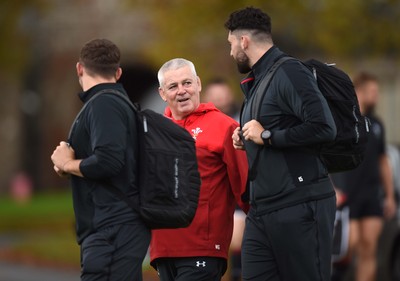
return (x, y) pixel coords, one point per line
(237, 168)
(299, 96)
(107, 126)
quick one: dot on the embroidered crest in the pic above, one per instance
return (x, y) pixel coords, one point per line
(196, 132)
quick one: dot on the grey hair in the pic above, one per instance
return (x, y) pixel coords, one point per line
(174, 64)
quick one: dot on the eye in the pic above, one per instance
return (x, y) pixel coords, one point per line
(171, 87)
(187, 83)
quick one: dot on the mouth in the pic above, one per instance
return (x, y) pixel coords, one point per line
(183, 100)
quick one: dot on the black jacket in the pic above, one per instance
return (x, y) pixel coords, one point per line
(104, 136)
(289, 172)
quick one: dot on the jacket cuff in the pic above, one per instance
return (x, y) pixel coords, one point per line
(88, 169)
(278, 138)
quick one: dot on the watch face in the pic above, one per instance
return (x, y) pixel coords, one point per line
(266, 134)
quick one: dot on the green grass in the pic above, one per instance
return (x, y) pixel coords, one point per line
(43, 229)
(51, 248)
(52, 211)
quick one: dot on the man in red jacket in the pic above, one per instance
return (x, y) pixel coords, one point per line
(200, 251)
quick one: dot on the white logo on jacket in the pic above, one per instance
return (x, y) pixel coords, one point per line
(203, 263)
(196, 132)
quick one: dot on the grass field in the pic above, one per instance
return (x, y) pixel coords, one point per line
(50, 211)
(40, 231)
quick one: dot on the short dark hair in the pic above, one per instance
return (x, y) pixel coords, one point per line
(363, 78)
(100, 57)
(249, 18)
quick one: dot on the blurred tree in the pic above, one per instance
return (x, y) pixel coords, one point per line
(194, 29)
(348, 29)
(330, 30)
(343, 28)
(14, 24)
(190, 29)
(19, 80)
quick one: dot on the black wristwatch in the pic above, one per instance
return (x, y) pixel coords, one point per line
(266, 137)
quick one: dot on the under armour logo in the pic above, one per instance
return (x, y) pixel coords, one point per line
(300, 179)
(203, 264)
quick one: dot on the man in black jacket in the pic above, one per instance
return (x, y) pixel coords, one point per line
(289, 227)
(101, 153)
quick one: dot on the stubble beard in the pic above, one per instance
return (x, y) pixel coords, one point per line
(243, 63)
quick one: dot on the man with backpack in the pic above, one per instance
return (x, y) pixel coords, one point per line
(289, 227)
(101, 152)
(199, 252)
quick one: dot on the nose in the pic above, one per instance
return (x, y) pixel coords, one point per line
(181, 89)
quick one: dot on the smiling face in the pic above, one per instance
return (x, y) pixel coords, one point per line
(181, 90)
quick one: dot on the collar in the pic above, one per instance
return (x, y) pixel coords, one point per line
(201, 110)
(266, 62)
(260, 68)
(87, 95)
(263, 64)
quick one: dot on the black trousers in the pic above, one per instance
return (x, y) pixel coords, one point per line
(191, 269)
(291, 244)
(115, 253)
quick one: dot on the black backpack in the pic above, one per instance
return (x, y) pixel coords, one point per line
(346, 152)
(169, 180)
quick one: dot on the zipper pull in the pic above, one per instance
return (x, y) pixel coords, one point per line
(367, 123)
(145, 124)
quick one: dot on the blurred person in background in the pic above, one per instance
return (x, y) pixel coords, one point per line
(200, 251)
(362, 188)
(221, 95)
(102, 152)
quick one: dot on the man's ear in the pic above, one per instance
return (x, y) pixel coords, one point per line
(118, 74)
(162, 94)
(244, 42)
(199, 83)
(79, 69)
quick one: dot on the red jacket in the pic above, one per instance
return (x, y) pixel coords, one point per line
(223, 172)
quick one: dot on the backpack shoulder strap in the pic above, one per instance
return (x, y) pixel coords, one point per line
(110, 187)
(256, 106)
(116, 191)
(83, 109)
(263, 86)
(134, 106)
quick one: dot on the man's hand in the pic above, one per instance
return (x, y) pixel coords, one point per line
(252, 131)
(237, 141)
(62, 174)
(61, 156)
(389, 207)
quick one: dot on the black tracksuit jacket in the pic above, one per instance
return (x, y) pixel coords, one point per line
(289, 171)
(105, 138)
